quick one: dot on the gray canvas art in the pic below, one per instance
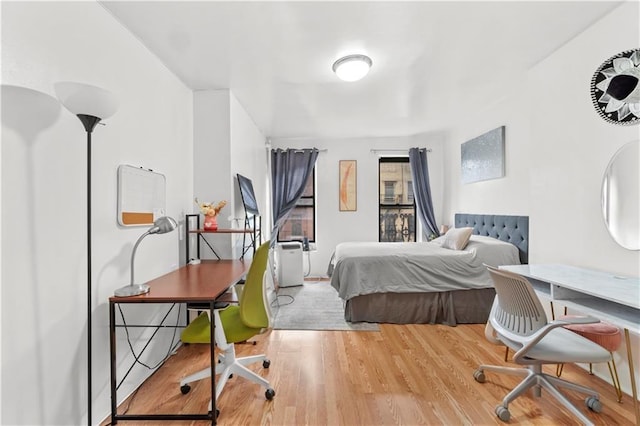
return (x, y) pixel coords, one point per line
(483, 157)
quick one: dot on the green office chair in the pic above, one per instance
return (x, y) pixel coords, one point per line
(234, 324)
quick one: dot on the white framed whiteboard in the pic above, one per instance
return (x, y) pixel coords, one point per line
(141, 195)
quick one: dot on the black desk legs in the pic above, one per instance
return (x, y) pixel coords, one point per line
(156, 417)
(212, 330)
(112, 353)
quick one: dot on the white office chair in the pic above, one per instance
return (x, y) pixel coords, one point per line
(518, 320)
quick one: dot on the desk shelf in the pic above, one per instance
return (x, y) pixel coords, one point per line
(620, 315)
(252, 229)
(221, 231)
(607, 297)
(541, 287)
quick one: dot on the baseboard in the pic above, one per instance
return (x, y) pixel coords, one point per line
(316, 278)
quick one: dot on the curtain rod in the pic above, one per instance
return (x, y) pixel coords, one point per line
(399, 151)
(298, 150)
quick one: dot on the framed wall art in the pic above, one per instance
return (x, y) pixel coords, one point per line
(348, 186)
(482, 158)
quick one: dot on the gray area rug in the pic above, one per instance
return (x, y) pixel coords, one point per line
(315, 305)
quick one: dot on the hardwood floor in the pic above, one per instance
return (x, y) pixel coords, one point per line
(402, 375)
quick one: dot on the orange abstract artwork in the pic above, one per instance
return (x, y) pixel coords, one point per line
(348, 193)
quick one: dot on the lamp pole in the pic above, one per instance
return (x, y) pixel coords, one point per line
(90, 104)
(89, 122)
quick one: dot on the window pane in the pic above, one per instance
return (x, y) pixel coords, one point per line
(397, 224)
(395, 178)
(397, 220)
(299, 224)
(305, 202)
(308, 189)
(389, 193)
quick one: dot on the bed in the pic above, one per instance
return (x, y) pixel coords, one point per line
(425, 283)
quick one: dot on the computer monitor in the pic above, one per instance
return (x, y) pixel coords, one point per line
(248, 196)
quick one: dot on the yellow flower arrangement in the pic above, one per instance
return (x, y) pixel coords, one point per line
(209, 209)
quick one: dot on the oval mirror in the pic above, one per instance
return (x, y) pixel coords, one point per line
(621, 196)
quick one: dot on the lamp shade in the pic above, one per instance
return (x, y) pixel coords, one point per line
(352, 67)
(85, 99)
(163, 224)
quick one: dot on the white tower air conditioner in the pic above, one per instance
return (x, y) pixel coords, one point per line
(290, 264)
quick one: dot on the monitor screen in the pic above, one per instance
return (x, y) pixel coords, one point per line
(248, 196)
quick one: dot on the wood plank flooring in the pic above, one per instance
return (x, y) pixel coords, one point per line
(402, 375)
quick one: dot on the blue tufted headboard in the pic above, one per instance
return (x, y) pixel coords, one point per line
(513, 229)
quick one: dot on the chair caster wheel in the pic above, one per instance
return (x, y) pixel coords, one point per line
(479, 376)
(594, 404)
(185, 389)
(503, 413)
(269, 394)
(266, 363)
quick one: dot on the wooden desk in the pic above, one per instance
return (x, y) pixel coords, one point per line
(602, 295)
(191, 283)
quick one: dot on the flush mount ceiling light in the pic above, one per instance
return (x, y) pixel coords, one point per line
(352, 67)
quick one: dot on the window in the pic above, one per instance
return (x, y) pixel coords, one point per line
(389, 196)
(410, 191)
(301, 222)
(397, 210)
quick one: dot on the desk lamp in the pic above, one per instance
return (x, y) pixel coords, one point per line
(90, 104)
(162, 225)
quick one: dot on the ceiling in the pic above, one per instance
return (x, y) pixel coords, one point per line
(433, 62)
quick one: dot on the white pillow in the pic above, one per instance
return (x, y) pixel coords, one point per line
(457, 238)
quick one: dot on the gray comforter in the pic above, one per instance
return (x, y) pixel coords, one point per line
(365, 268)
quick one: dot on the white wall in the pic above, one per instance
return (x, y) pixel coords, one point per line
(44, 313)
(334, 226)
(211, 152)
(249, 157)
(557, 149)
(226, 142)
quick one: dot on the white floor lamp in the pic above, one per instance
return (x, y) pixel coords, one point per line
(90, 104)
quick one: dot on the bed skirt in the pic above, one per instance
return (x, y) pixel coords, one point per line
(449, 308)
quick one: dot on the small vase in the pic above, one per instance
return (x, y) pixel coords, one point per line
(210, 222)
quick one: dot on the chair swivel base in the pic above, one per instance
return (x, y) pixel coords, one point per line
(536, 379)
(227, 369)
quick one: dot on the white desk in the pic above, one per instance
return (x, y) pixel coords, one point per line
(599, 294)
